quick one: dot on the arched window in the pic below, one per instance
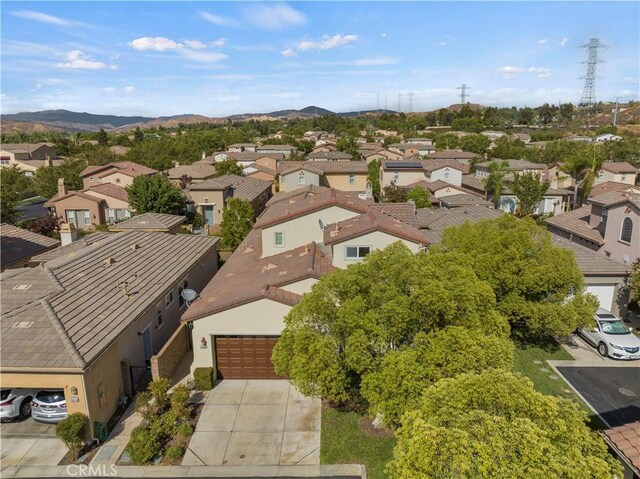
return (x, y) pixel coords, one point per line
(627, 229)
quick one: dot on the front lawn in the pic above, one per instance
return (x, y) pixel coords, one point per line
(531, 361)
(349, 438)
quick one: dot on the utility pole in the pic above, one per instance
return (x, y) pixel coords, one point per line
(589, 93)
(410, 102)
(463, 93)
(615, 112)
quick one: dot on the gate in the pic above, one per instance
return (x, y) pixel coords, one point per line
(140, 378)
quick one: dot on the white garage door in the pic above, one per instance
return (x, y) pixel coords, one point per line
(604, 293)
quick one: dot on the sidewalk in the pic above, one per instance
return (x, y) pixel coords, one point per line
(113, 447)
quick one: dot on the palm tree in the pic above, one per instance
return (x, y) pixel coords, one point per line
(585, 167)
(494, 182)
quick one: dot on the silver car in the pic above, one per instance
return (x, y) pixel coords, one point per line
(49, 406)
(612, 337)
(15, 403)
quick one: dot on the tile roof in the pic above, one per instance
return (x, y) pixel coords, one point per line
(452, 155)
(472, 182)
(246, 277)
(243, 145)
(52, 201)
(324, 167)
(276, 147)
(21, 147)
(149, 222)
(253, 156)
(80, 243)
(372, 220)
(625, 440)
(57, 320)
(462, 199)
(18, 243)
(255, 167)
(108, 189)
(329, 155)
(619, 167)
(516, 164)
(590, 262)
(598, 189)
(439, 219)
(298, 192)
(426, 165)
(405, 212)
(128, 168)
(419, 146)
(196, 171)
(243, 187)
(613, 198)
(577, 222)
(306, 201)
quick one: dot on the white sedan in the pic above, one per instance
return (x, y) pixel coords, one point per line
(612, 337)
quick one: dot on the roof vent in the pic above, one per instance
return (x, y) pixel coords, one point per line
(108, 262)
(134, 246)
(22, 325)
(22, 286)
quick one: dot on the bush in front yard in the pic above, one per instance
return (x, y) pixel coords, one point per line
(184, 430)
(144, 445)
(73, 431)
(174, 452)
(203, 378)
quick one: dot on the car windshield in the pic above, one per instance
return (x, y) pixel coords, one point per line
(613, 327)
(50, 397)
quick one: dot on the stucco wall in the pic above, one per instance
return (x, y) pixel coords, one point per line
(628, 178)
(110, 201)
(447, 192)
(302, 230)
(448, 175)
(103, 383)
(613, 245)
(620, 295)
(340, 181)
(289, 182)
(209, 197)
(300, 287)
(77, 203)
(376, 239)
(262, 317)
(405, 177)
(116, 178)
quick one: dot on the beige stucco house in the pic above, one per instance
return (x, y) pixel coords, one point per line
(27, 156)
(57, 334)
(341, 175)
(617, 171)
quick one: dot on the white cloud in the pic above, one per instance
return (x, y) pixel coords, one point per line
(510, 72)
(41, 17)
(374, 61)
(77, 60)
(108, 89)
(274, 16)
(630, 80)
(158, 44)
(200, 56)
(287, 95)
(564, 41)
(542, 41)
(541, 72)
(447, 40)
(129, 89)
(288, 52)
(384, 35)
(327, 42)
(220, 42)
(195, 44)
(218, 20)
(53, 81)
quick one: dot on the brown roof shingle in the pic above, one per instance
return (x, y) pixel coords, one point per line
(149, 222)
(619, 167)
(18, 243)
(577, 222)
(625, 440)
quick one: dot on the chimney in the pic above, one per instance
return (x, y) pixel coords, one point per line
(68, 233)
(176, 164)
(47, 161)
(62, 188)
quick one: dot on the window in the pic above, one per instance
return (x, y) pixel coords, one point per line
(626, 230)
(159, 315)
(357, 252)
(87, 217)
(91, 179)
(446, 175)
(301, 179)
(623, 178)
(117, 180)
(168, 299)
(279, 239)
(352, 178)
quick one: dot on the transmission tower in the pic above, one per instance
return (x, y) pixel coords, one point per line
(399, 102)
(463, 93)
(410, 95)
(589, 93)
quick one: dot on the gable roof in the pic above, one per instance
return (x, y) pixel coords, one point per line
(61, 299)
(404, 212)
(515, 164)
(276, 147)
(22, 147)
(108, 189)
(80, 193)
(323, 167)
(453, 154)
(128, 168)
(256, 167)
(329, 155)
(252, 155)
(462, 199)
(590, 262)
(18, 243)
(619, 167)
(613, 198)
(195, 170)
(149, 222)
(243, 187)
(577, 222)
(80, 243)
(439, 219)
(246, 277)
(598, 189)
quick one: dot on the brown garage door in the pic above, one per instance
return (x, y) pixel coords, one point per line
(245, 357)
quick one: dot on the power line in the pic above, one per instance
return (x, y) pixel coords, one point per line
(399, 102)
(589, 93)
(463, 93)
(410, 94)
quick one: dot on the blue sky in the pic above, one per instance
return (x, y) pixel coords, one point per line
(221, 58)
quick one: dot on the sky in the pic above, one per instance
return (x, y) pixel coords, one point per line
(223, 58)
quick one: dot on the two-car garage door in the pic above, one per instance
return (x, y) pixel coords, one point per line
(245, 357)
(604, 293)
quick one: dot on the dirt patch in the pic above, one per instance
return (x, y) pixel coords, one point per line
(367, 427)
(85, 456)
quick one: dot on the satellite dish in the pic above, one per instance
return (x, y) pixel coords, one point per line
(189, 295)
(321, 224)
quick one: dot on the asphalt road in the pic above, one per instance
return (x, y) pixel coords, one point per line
(35, 210)
(613, 392)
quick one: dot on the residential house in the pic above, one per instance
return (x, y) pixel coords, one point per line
(241, 147)
(210, 197)
(514, 167)
(119, 173)
(461, 200)
(625, 442)
(301, 236)
(460, 156)
(609, 224)
(607, 137)
(492, 134)
(58, 334)
(246, 158)
(411, 149)
(380, 154)
(579, 138)
(329, 156)
(323, 148)
(342, 175)
(285, 150)
(406, 173)
(423, 141)
(194, 173)
(597, 190)
(27, 156)
(19, 245)
(254, 170)
(618, 171)
(151, 222)
(558, 177)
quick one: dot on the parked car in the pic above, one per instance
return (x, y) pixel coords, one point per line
(49, 406)
(15, 403)
(611, 337)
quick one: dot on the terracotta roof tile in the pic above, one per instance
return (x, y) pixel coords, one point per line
(323, 167)
(18, 243)
(625, 440)
(577, 222)
(619, 167)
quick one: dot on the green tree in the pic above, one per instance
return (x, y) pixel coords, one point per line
(393, 194)
(46, 179)
(585, 164)
(467, 124)
(373, 176)
(14, 178)
(526, 116)
(9, 212)
(138, 136)
(390, 140)
(352, 318)
(237, 221)
(156, 194)
(495, 181)
(634, 281)
(529, 191)
(474, 143)
(228, 167)
(102, 137)
(506, 148)
(495, 424)
(546, 113)
(538, 286)
(404, 374)
(566, 111)
(420, 196)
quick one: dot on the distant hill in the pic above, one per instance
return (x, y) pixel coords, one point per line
(71, 119)
(12, 127)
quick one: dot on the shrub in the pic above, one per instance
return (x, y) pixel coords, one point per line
(184, 430)
(72, 431)
(163, 426)
(203, 378)
(143, 445)
(174, 452)
(159, 389)
(180, 400)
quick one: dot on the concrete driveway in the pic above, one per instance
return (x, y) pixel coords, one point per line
(256, 422)
(30, 443)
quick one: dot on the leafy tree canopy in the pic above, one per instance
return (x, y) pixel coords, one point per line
(156, 194)
(46, 179)
(495, 424)
(393, 194)
(237, 221)
(373, 175)
(529, 191)
(420, 196)
(538, 286)
(228, 167)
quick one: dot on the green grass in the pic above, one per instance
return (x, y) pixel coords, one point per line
(526, 358)
(344, 441)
